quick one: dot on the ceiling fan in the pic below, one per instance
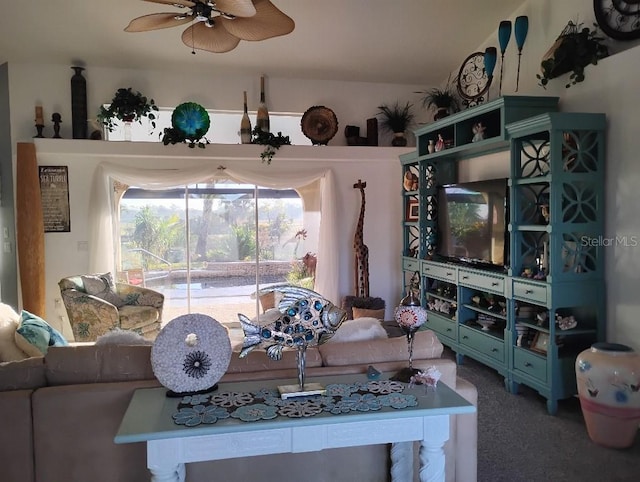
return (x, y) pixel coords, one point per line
(218, 26)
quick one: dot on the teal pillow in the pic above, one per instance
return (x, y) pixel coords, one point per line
(34, 336)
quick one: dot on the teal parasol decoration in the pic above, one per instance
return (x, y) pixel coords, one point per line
(189, 124)
(520, 29)
(504, 34)
(490, 56)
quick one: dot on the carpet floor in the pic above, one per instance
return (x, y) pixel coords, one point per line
(518, 441)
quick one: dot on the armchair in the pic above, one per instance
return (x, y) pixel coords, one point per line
(96, 305)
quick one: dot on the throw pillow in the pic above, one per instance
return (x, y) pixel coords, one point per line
(34, 336)
(359, 329)
(9, 351)
(122, 337)
(103, 287)
(365, 313)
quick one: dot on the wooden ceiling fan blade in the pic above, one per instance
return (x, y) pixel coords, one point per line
(268, 22)
(177, 3)
(155, 21)
(239, 8)
(212, 39)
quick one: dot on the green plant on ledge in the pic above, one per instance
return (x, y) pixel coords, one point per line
(572, 51)
(127, 106)
(271, 141)
(443, 101)
(395, 118)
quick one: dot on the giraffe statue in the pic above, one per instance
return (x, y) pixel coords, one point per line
(361, 250)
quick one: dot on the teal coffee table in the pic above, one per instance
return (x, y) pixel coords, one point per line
(248, 418)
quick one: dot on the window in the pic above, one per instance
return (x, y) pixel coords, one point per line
(225, 127)
(198, 245)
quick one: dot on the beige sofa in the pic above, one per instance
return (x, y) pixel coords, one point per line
(59, 415)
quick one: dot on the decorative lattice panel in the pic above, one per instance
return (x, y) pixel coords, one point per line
(580, 151)
(579, 202)
(534, 158)
(579, 253)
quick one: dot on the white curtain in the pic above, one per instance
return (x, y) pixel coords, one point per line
(101, 219)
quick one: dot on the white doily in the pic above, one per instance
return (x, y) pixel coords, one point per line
(191, 353)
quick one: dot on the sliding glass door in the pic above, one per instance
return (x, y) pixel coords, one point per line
(208, 247)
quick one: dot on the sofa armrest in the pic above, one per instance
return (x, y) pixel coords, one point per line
(137, 295)
(89, 315)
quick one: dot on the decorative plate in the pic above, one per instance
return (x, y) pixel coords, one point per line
(619, 19)
(191, 353)
(319, 124)
(473, 81)
(192, 119)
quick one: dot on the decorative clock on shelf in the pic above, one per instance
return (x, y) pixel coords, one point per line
(319, 124)
(473, 81)
(619, 19)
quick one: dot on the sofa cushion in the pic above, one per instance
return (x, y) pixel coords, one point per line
(91, 364)
(359, 329)
(103, 287)
(22, 374)
(426, 345)
(34, 336)
(367, 313)
(257, 360)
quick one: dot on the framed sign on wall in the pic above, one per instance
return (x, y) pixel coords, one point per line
(54, 190)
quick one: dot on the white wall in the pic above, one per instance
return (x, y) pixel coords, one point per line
(609, 87)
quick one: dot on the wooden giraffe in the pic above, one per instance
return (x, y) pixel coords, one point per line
(361, 250)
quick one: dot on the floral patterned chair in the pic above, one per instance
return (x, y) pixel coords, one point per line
(96, 305)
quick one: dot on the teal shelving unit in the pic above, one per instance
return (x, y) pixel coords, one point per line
(556, 265)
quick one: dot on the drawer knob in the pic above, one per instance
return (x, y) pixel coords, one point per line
(449, 273)
(494, 350)
(528, 292)
(449, 329)
(527, 364)
(465, 277)
(465, 337)
(495, 283)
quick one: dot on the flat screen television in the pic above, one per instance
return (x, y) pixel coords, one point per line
(473, 223)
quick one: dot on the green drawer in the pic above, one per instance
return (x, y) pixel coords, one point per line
(489, 345)
(487, 282)
(440, 271)
(410, 264)
(530, 363)
(442, 326)
(528, 291)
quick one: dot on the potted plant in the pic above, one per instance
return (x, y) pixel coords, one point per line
(396, 119)
(127, 106)
(442, 101)
(573, 50)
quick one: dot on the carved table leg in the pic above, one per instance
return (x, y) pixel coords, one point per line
(432, 461)
(171, 474)
(402, 462)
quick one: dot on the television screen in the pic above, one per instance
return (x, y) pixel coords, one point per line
(472, 222)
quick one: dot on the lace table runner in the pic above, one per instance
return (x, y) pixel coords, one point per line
(266, 404)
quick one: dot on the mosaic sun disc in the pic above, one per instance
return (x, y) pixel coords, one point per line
(191, 353)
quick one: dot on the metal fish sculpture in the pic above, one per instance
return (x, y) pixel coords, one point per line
(306, 319)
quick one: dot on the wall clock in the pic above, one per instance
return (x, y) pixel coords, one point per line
(619, 19)
(473, 81)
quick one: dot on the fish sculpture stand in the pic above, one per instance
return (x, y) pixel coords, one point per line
(306, 319)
